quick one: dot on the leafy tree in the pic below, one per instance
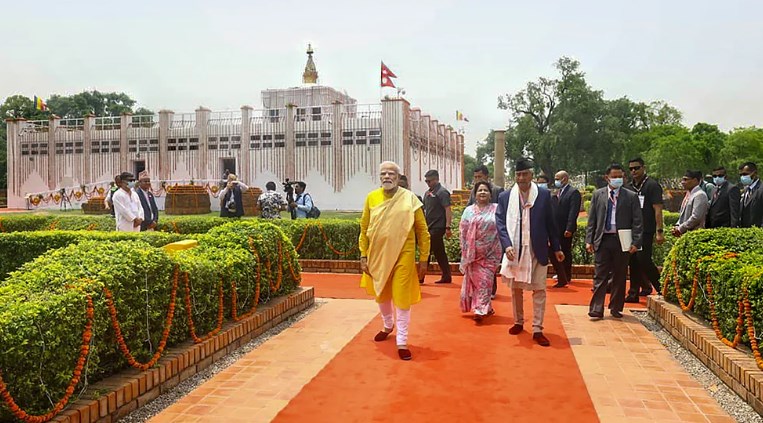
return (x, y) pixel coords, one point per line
(90, 102)
(742, 145)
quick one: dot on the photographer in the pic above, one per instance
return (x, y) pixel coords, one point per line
(232, 201)
(303, 203)
(271, 202)
(289, 190)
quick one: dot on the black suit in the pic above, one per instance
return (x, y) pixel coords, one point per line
(724, 207)
(150, 211)
(609, 257)
(751, 210)
(566, 210)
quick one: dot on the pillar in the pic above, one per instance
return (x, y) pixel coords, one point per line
(499, 157)
(291, 144)
(53, 159)
(336, 146)
(87, 147)
(124, 131)
(202, 128)
(245, 168)
(394, 133)
(165, 122)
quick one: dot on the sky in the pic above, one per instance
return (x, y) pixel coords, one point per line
(703, 57)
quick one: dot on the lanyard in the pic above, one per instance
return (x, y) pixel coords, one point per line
(638, 190)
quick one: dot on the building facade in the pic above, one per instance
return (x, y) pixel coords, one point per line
(310, 133)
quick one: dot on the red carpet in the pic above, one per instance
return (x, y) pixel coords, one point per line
(459, 371)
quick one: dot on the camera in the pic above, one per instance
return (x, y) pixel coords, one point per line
(288, 188)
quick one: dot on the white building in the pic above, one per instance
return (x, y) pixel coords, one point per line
(311, 133)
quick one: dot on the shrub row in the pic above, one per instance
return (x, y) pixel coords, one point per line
(322, 239)
(43, 304)
(17, 248)
(733, 258)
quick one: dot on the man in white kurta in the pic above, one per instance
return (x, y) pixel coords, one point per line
(127, 208)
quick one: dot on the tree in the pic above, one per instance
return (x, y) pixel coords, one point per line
(90, 102)
(552, 118)
(742, 145)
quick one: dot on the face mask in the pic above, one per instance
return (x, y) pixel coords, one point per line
(745, 179)
(616, 182)
(543, 186)
(558, 184)
(131, 184)
(719, 180)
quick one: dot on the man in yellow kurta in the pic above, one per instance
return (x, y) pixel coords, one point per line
(391, 225)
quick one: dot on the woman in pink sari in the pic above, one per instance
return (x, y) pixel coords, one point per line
(480, 253)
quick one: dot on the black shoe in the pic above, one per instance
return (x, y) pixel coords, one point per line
(421, 282)
(616, 314)
(645, 293)
(559, 285)
(595, 316)
(443, 281)
(631, 299)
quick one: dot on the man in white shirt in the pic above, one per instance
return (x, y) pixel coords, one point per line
(127, 208)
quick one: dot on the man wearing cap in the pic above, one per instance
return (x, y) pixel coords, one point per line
(150, 211)
(127, 208)
(526, 228)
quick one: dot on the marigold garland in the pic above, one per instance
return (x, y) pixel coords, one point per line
(83, 353)
(53, 225)
(751, 328)
(714, 317)
(165, 335)
(325, 238)
(175, 227)
(189, 311)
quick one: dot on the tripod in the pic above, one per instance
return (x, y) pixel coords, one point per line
(65, 199)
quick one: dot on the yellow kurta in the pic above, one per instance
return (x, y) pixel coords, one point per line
(390, 227)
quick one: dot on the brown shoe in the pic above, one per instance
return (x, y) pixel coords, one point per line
(516, 330)
(404, 354)
(540, 339)
(382, 335)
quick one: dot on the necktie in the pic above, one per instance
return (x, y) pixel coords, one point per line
(610, 204)
(716, 193)
(747, 194)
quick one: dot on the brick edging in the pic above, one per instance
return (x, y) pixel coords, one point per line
(132, 389)
(735, 368)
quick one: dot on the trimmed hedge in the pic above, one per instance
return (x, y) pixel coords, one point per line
(17, 248)
(321, 239)
(43, 303)
(729, 274)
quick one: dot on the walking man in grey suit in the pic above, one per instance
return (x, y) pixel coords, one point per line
(695, 204)
(612, 209)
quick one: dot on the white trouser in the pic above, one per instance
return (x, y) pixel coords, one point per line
(403, 319)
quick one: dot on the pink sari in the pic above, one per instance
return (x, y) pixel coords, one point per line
(480, 257)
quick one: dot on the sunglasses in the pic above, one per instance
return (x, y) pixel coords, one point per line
(635, 168)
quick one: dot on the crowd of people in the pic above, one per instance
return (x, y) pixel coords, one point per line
(516, 233)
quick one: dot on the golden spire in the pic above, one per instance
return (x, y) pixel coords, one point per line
(310, 76)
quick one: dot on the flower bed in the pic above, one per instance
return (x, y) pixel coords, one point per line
(80, 313)
(718, 274)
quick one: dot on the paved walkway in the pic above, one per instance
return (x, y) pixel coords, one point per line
(325, 368)
(256, 387)
(630, 376)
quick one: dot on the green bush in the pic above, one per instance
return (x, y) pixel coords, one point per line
(190, 224)
(17, 248)
(41, 320)
(728, 274)
(42, 304)
(342, 236)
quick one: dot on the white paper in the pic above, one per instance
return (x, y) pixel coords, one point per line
(626, 239)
